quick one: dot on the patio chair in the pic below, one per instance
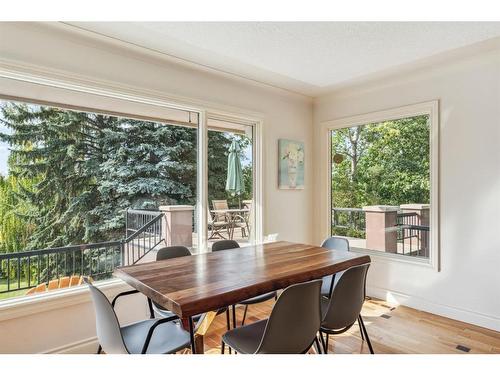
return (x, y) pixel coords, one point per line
(220, 204)
(216, 227)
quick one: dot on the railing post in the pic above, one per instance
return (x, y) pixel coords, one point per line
(177, 225)
(381, 230)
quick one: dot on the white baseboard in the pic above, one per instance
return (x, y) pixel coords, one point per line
(451, 312)
(87, 346)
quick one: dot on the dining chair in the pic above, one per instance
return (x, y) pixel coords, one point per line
(343, 309)
(150, 336)
(333, 243)
(291, 328)
(232, 244)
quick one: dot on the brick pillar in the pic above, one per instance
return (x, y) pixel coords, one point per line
(177, 225)
(423, 219)
(381, 231)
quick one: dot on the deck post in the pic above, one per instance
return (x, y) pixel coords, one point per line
(381, 230)
(177, 225)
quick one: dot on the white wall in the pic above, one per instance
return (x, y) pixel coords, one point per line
(467, 288)
(285, 115)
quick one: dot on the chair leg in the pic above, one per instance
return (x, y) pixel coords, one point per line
(234, 316)
(361, 331)
(327, 339)
(366, 335)
(222, 346)
(244, 315)
(325, 348)
(99, 349)
(228, 319)
(317, 345)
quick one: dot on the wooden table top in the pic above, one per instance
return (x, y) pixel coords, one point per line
(204, 282)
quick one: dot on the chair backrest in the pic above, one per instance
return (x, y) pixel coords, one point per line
(336, 243)
(347, 299)
(225, 245)
(220, 204)
(294, 321)
(169, 252)
(107, 326)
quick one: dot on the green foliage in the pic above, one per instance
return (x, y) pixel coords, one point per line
(384, 163)
(73, 174)
(218, 150)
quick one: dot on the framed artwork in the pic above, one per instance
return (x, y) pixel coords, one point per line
(291, 164)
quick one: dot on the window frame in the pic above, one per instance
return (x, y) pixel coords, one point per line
(430, 108)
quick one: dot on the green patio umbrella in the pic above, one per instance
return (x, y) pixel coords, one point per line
(234, 182)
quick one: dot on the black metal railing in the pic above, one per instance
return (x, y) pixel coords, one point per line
(143, 239)
(413, 238)
(136, 219)
(348, 218)
(28, 269)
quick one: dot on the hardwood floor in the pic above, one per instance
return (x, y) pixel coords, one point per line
(392, 330)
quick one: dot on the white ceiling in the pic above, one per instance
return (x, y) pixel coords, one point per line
(308, 57)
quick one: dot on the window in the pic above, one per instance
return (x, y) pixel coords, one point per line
(83, 192)
(96, 177)
(383, 183)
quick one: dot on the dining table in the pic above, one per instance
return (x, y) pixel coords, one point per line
(208, 282)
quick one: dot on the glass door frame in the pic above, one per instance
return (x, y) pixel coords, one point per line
(257, 186)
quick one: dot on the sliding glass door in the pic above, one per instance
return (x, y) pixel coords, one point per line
(230, 165)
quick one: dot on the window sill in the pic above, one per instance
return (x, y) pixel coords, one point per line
(29, 305)
(394, 258)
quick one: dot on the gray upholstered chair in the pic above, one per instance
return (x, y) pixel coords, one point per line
(290, 329)
(150, 336)
(169, 252)
(333, 243)
(343, 309)
(231, 244)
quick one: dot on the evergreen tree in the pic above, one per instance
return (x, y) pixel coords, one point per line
(73, 174)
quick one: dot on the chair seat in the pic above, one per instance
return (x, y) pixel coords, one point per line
(167, 337)
(258, 299)
(246, 339)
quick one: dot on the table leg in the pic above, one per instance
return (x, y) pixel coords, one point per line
(191, 335)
